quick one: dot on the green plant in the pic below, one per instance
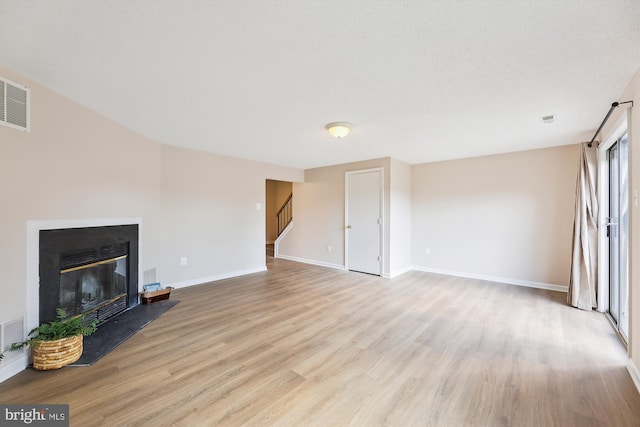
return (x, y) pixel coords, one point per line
(62, 327)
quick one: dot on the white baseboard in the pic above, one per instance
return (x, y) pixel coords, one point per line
(397, 273)
(311, 261)
(7, 370)
(217, 277)
(517, 282)
(635, 374)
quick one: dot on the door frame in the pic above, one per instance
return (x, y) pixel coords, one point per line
(603, 201)
(347, 174)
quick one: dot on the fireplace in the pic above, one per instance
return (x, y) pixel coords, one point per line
(91, 271)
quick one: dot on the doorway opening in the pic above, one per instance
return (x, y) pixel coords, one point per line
(278, 212)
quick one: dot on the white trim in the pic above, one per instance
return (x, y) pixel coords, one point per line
(33, 255)
(397, 273)
(634, 372)
(507, 280)
(616, 133)
(202, 280)
(32, 288)
(276, 244)
(347, 174)
(7, 370)
(313, 262)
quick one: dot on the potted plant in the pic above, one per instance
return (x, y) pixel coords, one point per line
(57, 343)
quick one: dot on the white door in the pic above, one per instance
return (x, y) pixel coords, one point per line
(363, 219)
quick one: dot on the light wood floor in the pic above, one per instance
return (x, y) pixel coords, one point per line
(303, 345)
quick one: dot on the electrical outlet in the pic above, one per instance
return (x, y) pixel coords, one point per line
(183, 261)
(427, 251)
(329, 248)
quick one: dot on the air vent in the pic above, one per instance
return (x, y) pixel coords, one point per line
(15, 105)
(11, 332)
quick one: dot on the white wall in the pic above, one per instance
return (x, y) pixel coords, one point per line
(505, 216)
(400, 218)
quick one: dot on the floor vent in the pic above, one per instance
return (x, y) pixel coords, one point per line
(10, 332)
(15, 105)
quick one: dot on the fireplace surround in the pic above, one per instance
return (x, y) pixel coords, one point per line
(34, 227)
(90, 270)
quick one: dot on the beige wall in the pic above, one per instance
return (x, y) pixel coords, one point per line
(318, 222)
(319, 206)
(505, 216)
(76, 164)
(73, 165)
(210, 215)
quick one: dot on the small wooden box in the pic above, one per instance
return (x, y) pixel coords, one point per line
(149, 297)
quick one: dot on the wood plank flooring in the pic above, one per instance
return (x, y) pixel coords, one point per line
(301, 345)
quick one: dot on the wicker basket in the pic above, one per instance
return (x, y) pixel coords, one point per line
(149, 297)
(56, 354)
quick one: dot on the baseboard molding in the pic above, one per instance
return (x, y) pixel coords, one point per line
(217, 277)
(397, 273)
(507, 280)
(313, 262)
(7, 370)
(634, 372)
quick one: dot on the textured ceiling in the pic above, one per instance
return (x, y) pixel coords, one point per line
(420, 80)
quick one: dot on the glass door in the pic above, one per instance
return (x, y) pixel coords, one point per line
(618, 234)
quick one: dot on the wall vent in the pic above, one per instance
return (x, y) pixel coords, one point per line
(10, 332)
(15, 105)
(149, 276)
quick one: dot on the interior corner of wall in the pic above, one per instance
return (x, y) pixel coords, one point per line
(634, 372)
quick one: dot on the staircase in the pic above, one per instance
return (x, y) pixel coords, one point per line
(285, 214)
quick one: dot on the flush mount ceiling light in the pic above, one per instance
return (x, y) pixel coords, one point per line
(339, 129)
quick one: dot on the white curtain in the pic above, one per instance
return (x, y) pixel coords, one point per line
(584, 263)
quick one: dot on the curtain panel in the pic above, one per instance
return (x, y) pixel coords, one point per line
(584, 262)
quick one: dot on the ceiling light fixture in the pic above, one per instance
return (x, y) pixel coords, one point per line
(339, 129)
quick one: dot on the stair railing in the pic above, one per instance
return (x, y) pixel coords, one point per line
(285, 214)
